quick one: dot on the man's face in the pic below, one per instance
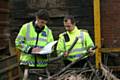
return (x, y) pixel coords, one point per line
(68, 25)
(41, 22)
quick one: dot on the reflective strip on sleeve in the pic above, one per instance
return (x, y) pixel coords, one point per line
(32, 62)
(20, 37)
(75, 56)
(77, 50)
(39, 39)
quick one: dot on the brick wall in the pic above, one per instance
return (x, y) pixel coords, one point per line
(110, 22)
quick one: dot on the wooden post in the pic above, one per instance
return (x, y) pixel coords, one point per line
(97, 31)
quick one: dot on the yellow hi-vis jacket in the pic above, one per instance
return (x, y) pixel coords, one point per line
(27, 38)
(84, 42)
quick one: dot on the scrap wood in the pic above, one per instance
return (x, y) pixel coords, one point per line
(107, 73)
(72, 76)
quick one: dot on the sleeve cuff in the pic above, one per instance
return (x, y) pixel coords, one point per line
(30, 50)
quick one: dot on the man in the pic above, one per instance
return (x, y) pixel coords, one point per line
(67, 38)
(33, 36)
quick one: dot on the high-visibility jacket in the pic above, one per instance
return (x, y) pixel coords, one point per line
(84, 42)
(26, 39)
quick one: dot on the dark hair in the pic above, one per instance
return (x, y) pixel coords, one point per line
(42, 14)
(70, 17)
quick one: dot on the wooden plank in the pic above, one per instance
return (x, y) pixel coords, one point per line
(9, 73)
(97, 31)
(110, 50)
(9, 68)
(4, 23)
(4, 4)
(114, 68)
(16, 77)
(7, 58)
(2, 10)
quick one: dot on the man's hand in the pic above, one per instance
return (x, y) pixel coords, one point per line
(91, 51)
(35, 50)
(66, 54)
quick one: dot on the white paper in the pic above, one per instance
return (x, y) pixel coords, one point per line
(47, 49)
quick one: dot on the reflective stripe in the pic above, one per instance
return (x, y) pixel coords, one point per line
(28, 32)
(20, 42)
(32, 62)
(78, 50)
(81, 35)
(64, 44)
(82, 38)
(78, 56)
(47, 35)
(75, 56)
(20, 37)
(47, 32)
(40, 39)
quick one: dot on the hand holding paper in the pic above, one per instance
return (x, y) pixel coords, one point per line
(35, 50)
(47, 49)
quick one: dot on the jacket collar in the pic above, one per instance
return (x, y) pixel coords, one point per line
(74, 30)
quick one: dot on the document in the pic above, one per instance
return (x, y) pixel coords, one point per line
(47, 49)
